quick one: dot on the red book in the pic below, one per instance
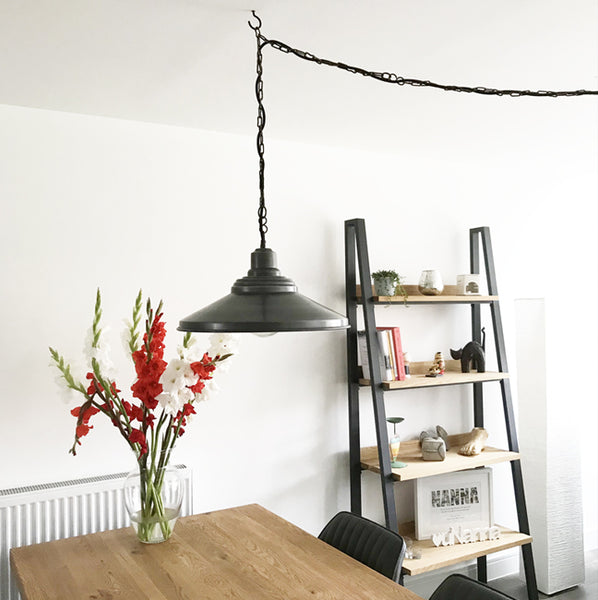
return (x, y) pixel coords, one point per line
(398, 350)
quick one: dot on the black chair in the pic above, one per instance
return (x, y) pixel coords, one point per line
(368, 542)
(460, 587)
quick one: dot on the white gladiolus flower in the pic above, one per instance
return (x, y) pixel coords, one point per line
(223, 343)
(178, 374)
(175, 379)
(125, 336)
(173, 402)
(101, 352)
(193, 352)
(67, 394)
(209, 391)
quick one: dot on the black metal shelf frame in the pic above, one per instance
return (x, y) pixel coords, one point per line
(357, 264)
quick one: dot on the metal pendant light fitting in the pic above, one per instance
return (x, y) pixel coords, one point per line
(264, 301)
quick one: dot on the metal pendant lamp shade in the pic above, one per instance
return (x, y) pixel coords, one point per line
(264, 301)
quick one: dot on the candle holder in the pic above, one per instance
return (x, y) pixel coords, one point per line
(395, 444)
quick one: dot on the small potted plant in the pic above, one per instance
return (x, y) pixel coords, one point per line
(388, 283)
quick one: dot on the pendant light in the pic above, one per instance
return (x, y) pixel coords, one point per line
(264, 301)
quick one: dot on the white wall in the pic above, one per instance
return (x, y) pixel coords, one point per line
(90, 201)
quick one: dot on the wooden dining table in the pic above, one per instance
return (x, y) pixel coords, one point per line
(245, 553)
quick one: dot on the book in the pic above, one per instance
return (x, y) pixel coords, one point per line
(393, 359)
(397, 348)
(386, 350)
(362, 350)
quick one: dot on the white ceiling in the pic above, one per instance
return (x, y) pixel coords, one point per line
(192, 62)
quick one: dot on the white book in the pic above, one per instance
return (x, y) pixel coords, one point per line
(385, 350)
(362, 351)
(384, 363)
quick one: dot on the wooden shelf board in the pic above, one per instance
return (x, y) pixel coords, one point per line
(452, 376)
(448, 296)
(417, 467)
(441, 299)
(433, 557)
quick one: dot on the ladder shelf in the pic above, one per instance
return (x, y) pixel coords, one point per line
(377, 458)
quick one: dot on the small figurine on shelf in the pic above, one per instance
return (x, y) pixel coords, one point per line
(395, 444)
(472, 355)
(476, 443)
(438, 366)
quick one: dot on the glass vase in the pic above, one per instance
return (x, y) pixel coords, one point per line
(430, 283)
(153, 498)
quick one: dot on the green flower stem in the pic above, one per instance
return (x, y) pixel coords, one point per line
(124, 429)
(109, 394)
(152, 472)
(65, 370)
(97, 316)
(133, 330)
(153, 511)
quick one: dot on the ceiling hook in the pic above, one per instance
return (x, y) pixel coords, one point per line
(259, 22)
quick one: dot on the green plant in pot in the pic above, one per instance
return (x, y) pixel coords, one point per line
(388, 283)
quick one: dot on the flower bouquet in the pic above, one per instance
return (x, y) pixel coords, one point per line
(164, 396)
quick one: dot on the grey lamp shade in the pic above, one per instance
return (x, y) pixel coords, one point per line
(263, 301)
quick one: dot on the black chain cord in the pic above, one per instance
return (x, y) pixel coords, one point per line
(398, 80)
(384, 77)
(262, 212)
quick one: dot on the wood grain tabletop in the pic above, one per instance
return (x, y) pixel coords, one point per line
(240, 553)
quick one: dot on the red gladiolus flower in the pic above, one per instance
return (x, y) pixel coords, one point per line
(82, 430)
(138, 413)
(158, 333)
(188, 409)
(137, 437)
(149, 368)
(94, 386)
(90, 411)
(198, 387)
(147, 391)
(139, 360)
(204, 367)
(133, 411)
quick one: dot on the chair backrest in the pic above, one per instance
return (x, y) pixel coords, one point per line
(368, 542)
(460, 587)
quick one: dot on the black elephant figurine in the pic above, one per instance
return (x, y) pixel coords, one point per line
(472, 355)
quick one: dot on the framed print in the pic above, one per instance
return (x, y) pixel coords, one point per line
(461, 499)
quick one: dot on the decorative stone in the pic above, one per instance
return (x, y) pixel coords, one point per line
(433, 449)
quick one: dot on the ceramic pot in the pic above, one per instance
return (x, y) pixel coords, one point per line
(385, 286)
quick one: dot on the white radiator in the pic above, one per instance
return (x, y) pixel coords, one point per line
(53, 511)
